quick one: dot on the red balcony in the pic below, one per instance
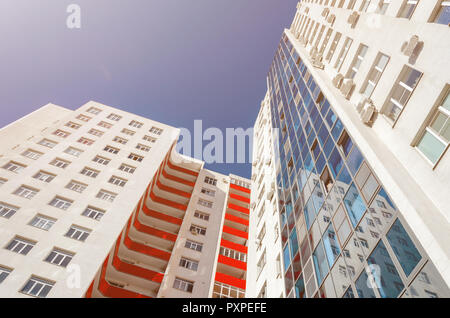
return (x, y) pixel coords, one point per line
(230, 280)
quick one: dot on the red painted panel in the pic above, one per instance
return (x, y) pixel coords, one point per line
(173, 190)
(236, 219)
(161, 216)
(153, 231)
(177, 179)
(239, 188)
(145, 249)
(234, 246)
(238, 208)
(137, 270)
(180, 169)
(230, 280)
(232, 262)
(240, 198)
(167, 202)
(89, 291)
(235, 232)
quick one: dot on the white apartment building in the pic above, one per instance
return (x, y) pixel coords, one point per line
(96, 202)
(373, 78)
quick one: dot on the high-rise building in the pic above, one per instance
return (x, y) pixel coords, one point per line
(351, 171)
(96, 202)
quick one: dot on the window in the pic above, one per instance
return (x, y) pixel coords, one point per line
(443, 14)
(7, 210)
(78, 233)
(42, 222)
(374, 74)
(106, 195)
(208, 192)
(14, 166)
(61, 133)
(135, 123)
(20, 245)
(195, 229)
(94, 110)
(189, 264)
(111, 150)
(263, 291)
(90, 172)
(83, 117)
(4, 272)
(383, 6)
(436, 137)
(356, 63)
(104, 124)
(205, 203)
(32, 154)
(401, 92)
(156, 131)
(407, 9)
(95, 132)
(2, 181)
(73, 151)
(44, 176)
(343, 53)
(60, 163)
(148, 138)
(364, 5)
(114, 117)
(333, 46)
(117, 181)
(120, 140)
(76, 186)
(59, 257)
(101, 160)
(128, 132)
(194, 245)
(93, 213)
(47, 143)
(127, 168)
(183, 285)
(143, 147)
(26, 192)
(135, 157)
(261, 264)
(222, 290)
(73, 125)
(61, 203)
(37, 287)
(201, 215)
(211, 181)
(233, 254)
(85, 141)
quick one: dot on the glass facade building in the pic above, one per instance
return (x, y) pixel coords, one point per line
(342, 235)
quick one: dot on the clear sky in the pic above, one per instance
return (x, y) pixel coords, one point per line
(173, 61)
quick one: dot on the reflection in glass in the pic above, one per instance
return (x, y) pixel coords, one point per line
(354, 204)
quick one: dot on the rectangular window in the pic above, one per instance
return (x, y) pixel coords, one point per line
(60, 163)
(59, 257)
(357, 61)
(407, 9)
(128, 132)
(383, 6)
(117, 181)
(143, 147)
(93, 213)
(343, 53)
(106, 195)
(42, 222)
(194, 245)
(228, 252)
(189, 264)
(201, 215)
(127, 168)
(61, 203)
(401, 92)
(26, 192)
(101, 160)
(261, 264)
(32, 154)
(209, 192)
(114, 117)
(94, 110)
(95, 132)
(78, 233)
(47, 143)
(76, 186)
(83, 117)
(155, 130)
(44, 176)
(374, 74)
(205, 203)
(61, 133)
(14, 166)
(20, 245)
(120, 140)
(135, 157)
(135, 124)
(90, 172)
(37, 287)
(111, 150)
(436, 137)
(183, 285)
(4, 272)
(195, 229)
(73, 125)
(149, 139)
(85, 141)
(443, 13)
(7, 210)
(73, 151)
(104, 124)
(211, 181)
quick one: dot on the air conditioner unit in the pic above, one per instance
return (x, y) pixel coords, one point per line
(337, 80)
(253, 176)
(269, 195)
(317, 61)
(331, 19)
(325, 12)
(193, 232)
(347, 87)
(353, 19)
(225, 180)
(367, 112)
(362, 101)
(268, 160)
(254, 163)
(408, 47)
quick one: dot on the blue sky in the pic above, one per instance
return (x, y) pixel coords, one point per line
(173, 61)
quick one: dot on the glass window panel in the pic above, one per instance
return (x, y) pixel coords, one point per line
(354, 160)
(428, 284)
(320, 263)
(331, 245)
(431, 147)
(363, 286)
(354, 204)
(300, 288)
